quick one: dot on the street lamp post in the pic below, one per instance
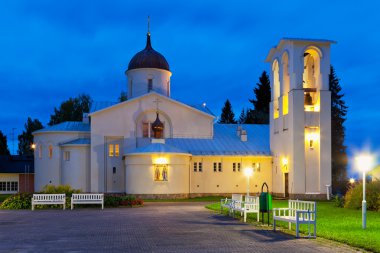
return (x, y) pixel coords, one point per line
(365, 163)
(248, 172)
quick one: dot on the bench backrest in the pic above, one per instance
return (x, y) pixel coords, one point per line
(88, 196)
(252, 199)
(237, 197)
(49, 197)
(300, 205)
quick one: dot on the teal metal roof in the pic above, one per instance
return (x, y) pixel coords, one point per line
(68, 126)
(79, 141)
(157, 148)
(226, 141)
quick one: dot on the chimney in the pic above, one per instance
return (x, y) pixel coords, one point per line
(243, 136)
(86, 118)
(238, 130)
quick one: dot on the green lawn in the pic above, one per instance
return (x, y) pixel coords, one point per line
(197, 199)
(4, 196)
(338, 224)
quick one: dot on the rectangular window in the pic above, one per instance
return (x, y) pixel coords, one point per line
(145, 129)
(200, 167)
(150, 85)
(214, 167)
(234, 167)
(220, 167)
(238, 167)
(117, 149)
(9, 186)
(3, 186)
(50, 151)
(66, 155)
(40, 151)
(195, 167)
(110, 150)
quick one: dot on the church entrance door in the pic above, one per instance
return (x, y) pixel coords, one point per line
(286, 185)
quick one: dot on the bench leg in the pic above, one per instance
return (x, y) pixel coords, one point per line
(245, 216)
(72, 205)
(32, 207)
(102, 205)
(258, 216)
(290, 226)
(64, 206)
(315, 229)
(297, 230)
(274, 225)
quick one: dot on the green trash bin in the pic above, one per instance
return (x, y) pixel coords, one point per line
(265, 202)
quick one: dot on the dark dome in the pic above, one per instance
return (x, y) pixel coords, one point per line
(148, 58)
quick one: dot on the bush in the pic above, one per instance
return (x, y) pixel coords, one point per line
(338, 200)
(131, 201)
(111, 200)
(121, 200)
(52, 189)
(18, 201)
(354, 196)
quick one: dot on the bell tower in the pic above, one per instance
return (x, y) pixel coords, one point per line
(300, 117)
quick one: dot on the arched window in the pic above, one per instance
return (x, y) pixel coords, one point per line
(50, 151)
(276, 88)
(158, 128)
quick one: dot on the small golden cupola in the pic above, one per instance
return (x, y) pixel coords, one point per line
(158, 128)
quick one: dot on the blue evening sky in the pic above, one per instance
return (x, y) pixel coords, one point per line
(53, 50)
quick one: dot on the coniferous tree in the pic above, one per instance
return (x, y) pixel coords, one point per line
(228, 116)
(25, 140)
(338, 149)
(243, 116)
(3, 145)
(260, 112)
(71, 109)
(123, 96)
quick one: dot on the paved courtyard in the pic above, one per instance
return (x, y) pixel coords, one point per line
(157, 227)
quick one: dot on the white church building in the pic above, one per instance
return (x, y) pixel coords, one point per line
(155, 146)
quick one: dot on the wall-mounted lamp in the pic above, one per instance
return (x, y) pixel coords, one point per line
(312, 136)
(33, 146)
(161, 161)
(285, 162)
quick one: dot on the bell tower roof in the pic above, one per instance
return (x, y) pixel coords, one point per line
(148, 57)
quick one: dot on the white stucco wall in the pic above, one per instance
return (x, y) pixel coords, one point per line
(49, 170)
(76, 171)
(138, 81)
(140, 175)
(124, 120)
(229, 181)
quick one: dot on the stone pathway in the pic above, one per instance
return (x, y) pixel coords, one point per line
(157, 227)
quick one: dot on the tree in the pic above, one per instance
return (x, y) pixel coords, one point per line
(123, 96)
(260, 112)
(71, 109)
(25, 140)
(243, 116)
(228, 116)
(338, 149)
(3, 145)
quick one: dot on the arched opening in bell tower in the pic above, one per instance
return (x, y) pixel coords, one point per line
(285, 83)
(311, 78)
(276, 88)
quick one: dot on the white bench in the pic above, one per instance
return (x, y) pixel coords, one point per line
(298, 212)
(228, 203)
(49, 199)
(251, 204)
(87, 198)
